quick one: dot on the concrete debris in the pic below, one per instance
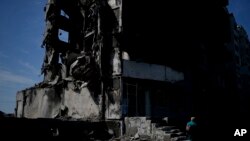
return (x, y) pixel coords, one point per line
(136, 137)
(140, 128)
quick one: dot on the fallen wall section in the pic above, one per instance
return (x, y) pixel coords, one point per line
(51, 102)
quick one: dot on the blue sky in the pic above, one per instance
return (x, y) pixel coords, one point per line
(21, 29)
(21, 33)
(241, 11)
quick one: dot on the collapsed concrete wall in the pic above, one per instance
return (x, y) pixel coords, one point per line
(81, 104)
(38, 102)
(55, 103)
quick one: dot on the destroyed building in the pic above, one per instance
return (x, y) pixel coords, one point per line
(136, 58)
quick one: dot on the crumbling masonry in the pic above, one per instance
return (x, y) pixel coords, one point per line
(140, 58)
(77, 73)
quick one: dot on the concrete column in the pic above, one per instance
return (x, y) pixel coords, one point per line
(147, 104)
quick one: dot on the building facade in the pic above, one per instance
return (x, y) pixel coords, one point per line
(125, 58)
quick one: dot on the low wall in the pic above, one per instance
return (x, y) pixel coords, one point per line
(51, 102)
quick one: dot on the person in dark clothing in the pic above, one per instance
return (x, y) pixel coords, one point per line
(191, 129)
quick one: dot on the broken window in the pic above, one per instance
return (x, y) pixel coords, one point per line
(63, 35)
(130, 100)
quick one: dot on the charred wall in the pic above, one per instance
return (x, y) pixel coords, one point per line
(172, 36)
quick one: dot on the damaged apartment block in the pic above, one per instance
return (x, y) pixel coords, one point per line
(121, 60)
(77, 71)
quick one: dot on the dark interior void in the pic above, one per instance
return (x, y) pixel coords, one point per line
(155, 99)
(172, 32)
(213, 106)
